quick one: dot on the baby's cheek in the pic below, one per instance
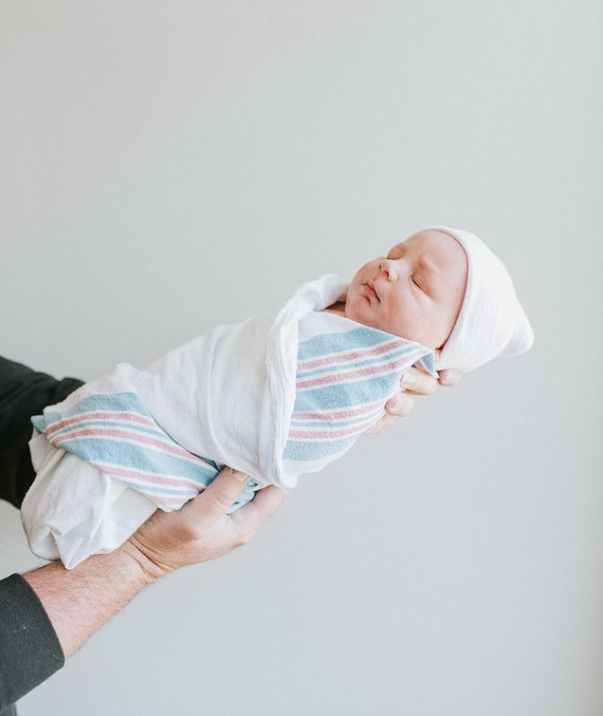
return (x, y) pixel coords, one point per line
(404, 320)
(358, 309)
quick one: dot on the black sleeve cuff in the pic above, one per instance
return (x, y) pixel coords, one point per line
(30, 650)
(23, 393)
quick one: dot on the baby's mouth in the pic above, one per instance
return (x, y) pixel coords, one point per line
(369, 288)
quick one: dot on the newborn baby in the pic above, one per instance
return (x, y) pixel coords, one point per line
(273, 396)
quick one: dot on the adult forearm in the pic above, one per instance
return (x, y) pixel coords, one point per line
(81, 600)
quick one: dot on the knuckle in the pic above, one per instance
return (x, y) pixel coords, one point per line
(409, 379)
(220, 499)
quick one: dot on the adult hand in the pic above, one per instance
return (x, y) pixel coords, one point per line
(78, 601)
(414, 382)
(202, 530)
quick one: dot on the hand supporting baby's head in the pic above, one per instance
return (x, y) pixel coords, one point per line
(443, 288)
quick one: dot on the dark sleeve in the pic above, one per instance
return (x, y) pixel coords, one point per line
(23, 393)
(30, 650)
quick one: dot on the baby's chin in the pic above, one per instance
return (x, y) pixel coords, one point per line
(358, 308)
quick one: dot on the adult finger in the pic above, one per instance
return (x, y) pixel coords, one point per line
(213, 502)
(400, 404)
(449, 377)
(266, 501)
(418, 382)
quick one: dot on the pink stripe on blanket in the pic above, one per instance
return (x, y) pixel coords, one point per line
(340, 377)
(351, 355)
(326, 434)
(150, 478)
(337, 414)
(132, 417)
(174, 503)
(134, 437)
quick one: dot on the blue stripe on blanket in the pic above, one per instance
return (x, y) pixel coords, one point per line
(343, 381)
(129, 455)
(315, 451)
(115, 433)
(395, 353)
(327, 343)
(345, 394)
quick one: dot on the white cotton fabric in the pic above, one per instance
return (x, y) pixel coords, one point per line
(491, 322)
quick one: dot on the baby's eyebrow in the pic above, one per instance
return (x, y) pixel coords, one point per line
(422, 261)
(428, 264)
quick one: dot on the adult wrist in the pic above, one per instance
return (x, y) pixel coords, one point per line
(149, 570)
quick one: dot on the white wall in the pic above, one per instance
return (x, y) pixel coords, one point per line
(166, 167)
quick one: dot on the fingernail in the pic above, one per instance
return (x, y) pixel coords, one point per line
(408, 381)
(240, 476)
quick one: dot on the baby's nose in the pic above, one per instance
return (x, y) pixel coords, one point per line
(388, 269)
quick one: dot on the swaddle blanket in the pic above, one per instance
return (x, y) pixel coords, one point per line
(273, 396)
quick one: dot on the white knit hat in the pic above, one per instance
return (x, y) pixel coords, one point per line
(491, 322)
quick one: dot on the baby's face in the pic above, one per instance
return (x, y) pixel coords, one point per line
(418, 289)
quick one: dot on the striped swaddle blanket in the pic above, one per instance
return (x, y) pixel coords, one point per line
(274, 397)
(346, 372)
(343, 380)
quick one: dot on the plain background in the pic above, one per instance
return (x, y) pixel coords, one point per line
(166, 167)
